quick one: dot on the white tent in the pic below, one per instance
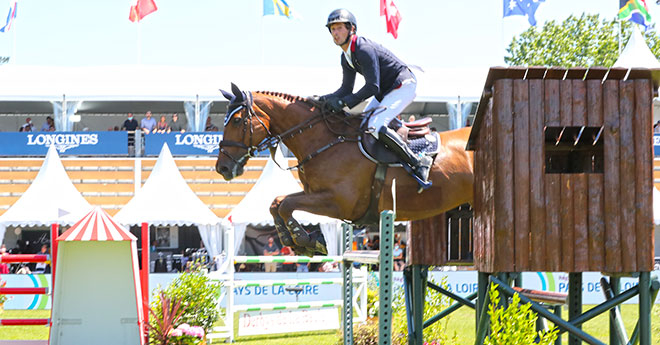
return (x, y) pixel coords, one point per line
(166, 199)
(51, 199)
(97, 297)
(254, 209)
(637, 53)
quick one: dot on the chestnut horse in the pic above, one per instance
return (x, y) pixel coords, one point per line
(337, 178)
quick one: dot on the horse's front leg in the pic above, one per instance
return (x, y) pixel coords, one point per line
(318, 203)
(283, 232)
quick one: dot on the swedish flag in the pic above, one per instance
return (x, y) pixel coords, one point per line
(277, 7)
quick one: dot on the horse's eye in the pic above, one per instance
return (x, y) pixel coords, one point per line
(237, 121)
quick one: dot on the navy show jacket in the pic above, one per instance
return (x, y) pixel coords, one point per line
(382, 71)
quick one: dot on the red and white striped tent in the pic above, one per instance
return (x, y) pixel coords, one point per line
(96, 295)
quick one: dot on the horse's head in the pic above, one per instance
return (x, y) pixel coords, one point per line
(245, 133)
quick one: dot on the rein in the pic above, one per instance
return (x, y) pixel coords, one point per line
(271, 141)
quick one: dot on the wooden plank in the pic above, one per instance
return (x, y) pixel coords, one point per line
(535, 72)
(503, 128)
(536, 173)
(552, 185)
(521, 173)
(643, 166)
(580, 239)
(555, 73)
(566, 191)
(616, 73)
(580, 190)
(489, 193)
(576, 73)
(611, 136)
(596, 73)
(477, 203)
(595, 218)
(627, 176)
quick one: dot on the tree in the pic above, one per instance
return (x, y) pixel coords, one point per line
(578, 41)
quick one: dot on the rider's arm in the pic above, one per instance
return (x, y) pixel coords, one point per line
(368, 61)
(347, 83)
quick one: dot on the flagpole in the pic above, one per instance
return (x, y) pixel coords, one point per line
(262, 39)
(13, 43)
(139, 43)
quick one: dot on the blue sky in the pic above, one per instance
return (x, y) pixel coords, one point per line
(432, 34)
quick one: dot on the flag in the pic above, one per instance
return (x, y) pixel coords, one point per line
(392, 16)
(141, 9)
(10, 17)
(277, 7)
(522, 8)
(635, 11)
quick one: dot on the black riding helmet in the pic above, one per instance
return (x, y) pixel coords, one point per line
(342, 16)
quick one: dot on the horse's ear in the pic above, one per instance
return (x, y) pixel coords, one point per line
(227, 95)
(235, 90)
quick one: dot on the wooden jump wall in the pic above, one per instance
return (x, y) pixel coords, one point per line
(530, 220)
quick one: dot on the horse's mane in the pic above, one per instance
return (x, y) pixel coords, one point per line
(286, 96)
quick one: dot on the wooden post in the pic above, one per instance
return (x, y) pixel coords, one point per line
(536, 172)
(595, 218)
(521, 173)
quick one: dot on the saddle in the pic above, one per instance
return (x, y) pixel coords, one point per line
(417, 134)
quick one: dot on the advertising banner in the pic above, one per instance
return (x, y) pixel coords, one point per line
(183, 144)
(462, 283)
(67, 143)
(287, 321)
(656, 144)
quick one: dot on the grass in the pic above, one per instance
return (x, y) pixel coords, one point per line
(461, 322)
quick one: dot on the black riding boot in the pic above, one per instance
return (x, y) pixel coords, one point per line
(420, 165)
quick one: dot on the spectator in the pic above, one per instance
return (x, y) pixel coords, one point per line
(148, 123)
(656, 127)
(162, 126)
(288, 267)
(210, 127)
(49, 125)
(271, 249)
(397, 255)
(175, 125)
(42, 267)
(27, 126)
(130, 124)
(411, 118)
(4, 268)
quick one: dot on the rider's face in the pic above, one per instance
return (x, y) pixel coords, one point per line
(339, 32)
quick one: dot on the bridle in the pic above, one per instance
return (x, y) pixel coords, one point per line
(271, 140)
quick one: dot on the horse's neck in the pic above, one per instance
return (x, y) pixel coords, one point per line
(286, 116)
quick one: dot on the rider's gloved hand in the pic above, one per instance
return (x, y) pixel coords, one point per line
(335, 104)
(316, 98)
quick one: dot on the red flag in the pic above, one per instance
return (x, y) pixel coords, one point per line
(141, 9)
(392, 16)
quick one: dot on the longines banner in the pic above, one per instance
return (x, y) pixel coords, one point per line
(188, 143)
(67, 143)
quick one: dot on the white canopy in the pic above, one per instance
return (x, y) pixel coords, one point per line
(51, 198)
(637, 53)
(179, 83)
(254, 209)
(166, 199)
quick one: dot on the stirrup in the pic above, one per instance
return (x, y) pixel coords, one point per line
(423, 185)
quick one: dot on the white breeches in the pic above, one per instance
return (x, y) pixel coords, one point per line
(392, 105)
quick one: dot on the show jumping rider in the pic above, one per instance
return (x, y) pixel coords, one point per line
(391, 83)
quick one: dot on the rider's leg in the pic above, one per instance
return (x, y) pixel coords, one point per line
(393, 104)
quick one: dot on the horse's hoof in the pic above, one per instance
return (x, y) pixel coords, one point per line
(285, 238)
(319, 243)
(298, 234)
(303, 251)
